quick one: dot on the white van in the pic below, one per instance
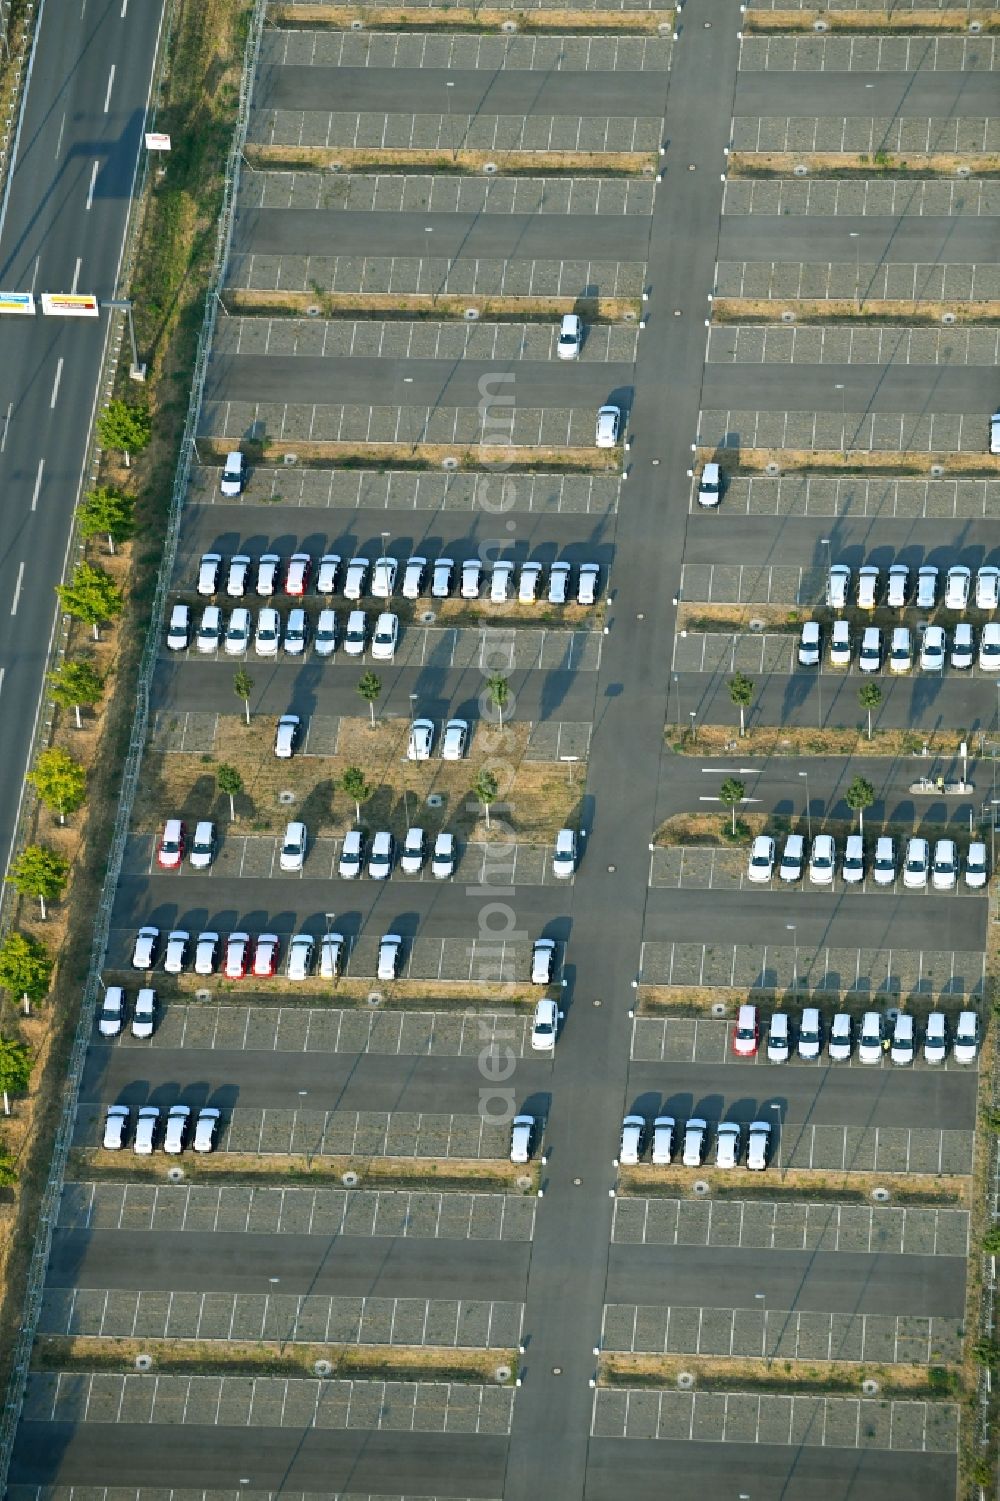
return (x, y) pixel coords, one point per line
(810, 1034)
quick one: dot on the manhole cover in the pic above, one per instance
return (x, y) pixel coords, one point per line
(312, 311)
(685, 1380)
(948, 318)
(523, 1181)
(821, 26)
(434, 800)
(502, 1373)
(718, 1008)
(557, 1370)
(772, 468)
(289, 458)
(349, 1180)
(665, 28)
(788, 316)
(472, 313)
(144, 1362)
(630, 316)
(757, 625)
(869, 1387)
(450, 462)
(427, 617)
(937, 470)
(356, 25)
(375, 997)
(508, 26)
(334, 166)
(800, 170)
(881, 1195)
(489, 168)
(963, 171)
(203, 995)
(175, 1174)
(285, 797)
(700, 1186)
(323, 1368)
(975, 25)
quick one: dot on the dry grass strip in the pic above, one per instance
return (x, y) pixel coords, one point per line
(858, 164)
(360, 158)
(508, 460)
(813, 1184)
(855, 461)
(810, 310)
(535, 799)
(864, 22)
(799, 740)
(209, 1357)
(780, 1377)
(424, 995)
(295, 1169)
(441, 306)
(471, 18)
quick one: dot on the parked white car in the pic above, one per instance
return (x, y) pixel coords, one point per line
(761, 864)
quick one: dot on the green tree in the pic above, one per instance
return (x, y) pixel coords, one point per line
(485, 789)
(354, 784)
(869, 697)
(230, 783)
(41, 872)
(108, 512)
(76, 682)
(25, 967)
(859, 796)
(741, 693)
(8, 1172)
(15, 1069)
(91, 596)
(498, 689)
(243, 687)
(731, 794)
(991, 1241)
(60, 781)
(370, 687)
(125, 428)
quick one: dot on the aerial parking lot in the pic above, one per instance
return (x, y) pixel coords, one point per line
(454, 1114)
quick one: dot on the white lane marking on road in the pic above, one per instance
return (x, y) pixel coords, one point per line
(718, 800)
(726, 771)
(17, 589)
(62, 127)
(6, 426)
(34, 275)
(90, 191)
(76, 276)
(2, 671)
(124, 8)
(38, 484)
(55, 384)
(111, 84)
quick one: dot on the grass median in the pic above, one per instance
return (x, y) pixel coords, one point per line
(472, 18)
(428, 305)
(798, 740)
(298, 1170)
(781, 1377)
(534, 798)
(812, 1185)
(201, 1357)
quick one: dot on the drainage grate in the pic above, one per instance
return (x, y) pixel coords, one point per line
(787, 316)
(349, 1180)
(800, 170)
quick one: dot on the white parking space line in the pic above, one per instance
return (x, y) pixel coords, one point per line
(788, 1225)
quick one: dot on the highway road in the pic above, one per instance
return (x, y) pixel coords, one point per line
(62, 230)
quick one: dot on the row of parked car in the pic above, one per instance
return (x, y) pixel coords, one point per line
(898, 592)
(930, 643)
(894, 1036)
(268, 634)
(919, 865)
(240, 955)
(269, 575)
(356, 849)
(177, 1131)
(665, 1138)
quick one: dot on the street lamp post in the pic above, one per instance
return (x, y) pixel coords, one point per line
(677, 690)
(855, 235)
(329, 922)
(692, 713)
(761, 1298)
(795, 957)
(841, 387)
(124, 305)
(809, 828)
(570, 763)
(777, 1131)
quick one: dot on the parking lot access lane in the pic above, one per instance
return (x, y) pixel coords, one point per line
(349, 1266)
(824, 1281)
